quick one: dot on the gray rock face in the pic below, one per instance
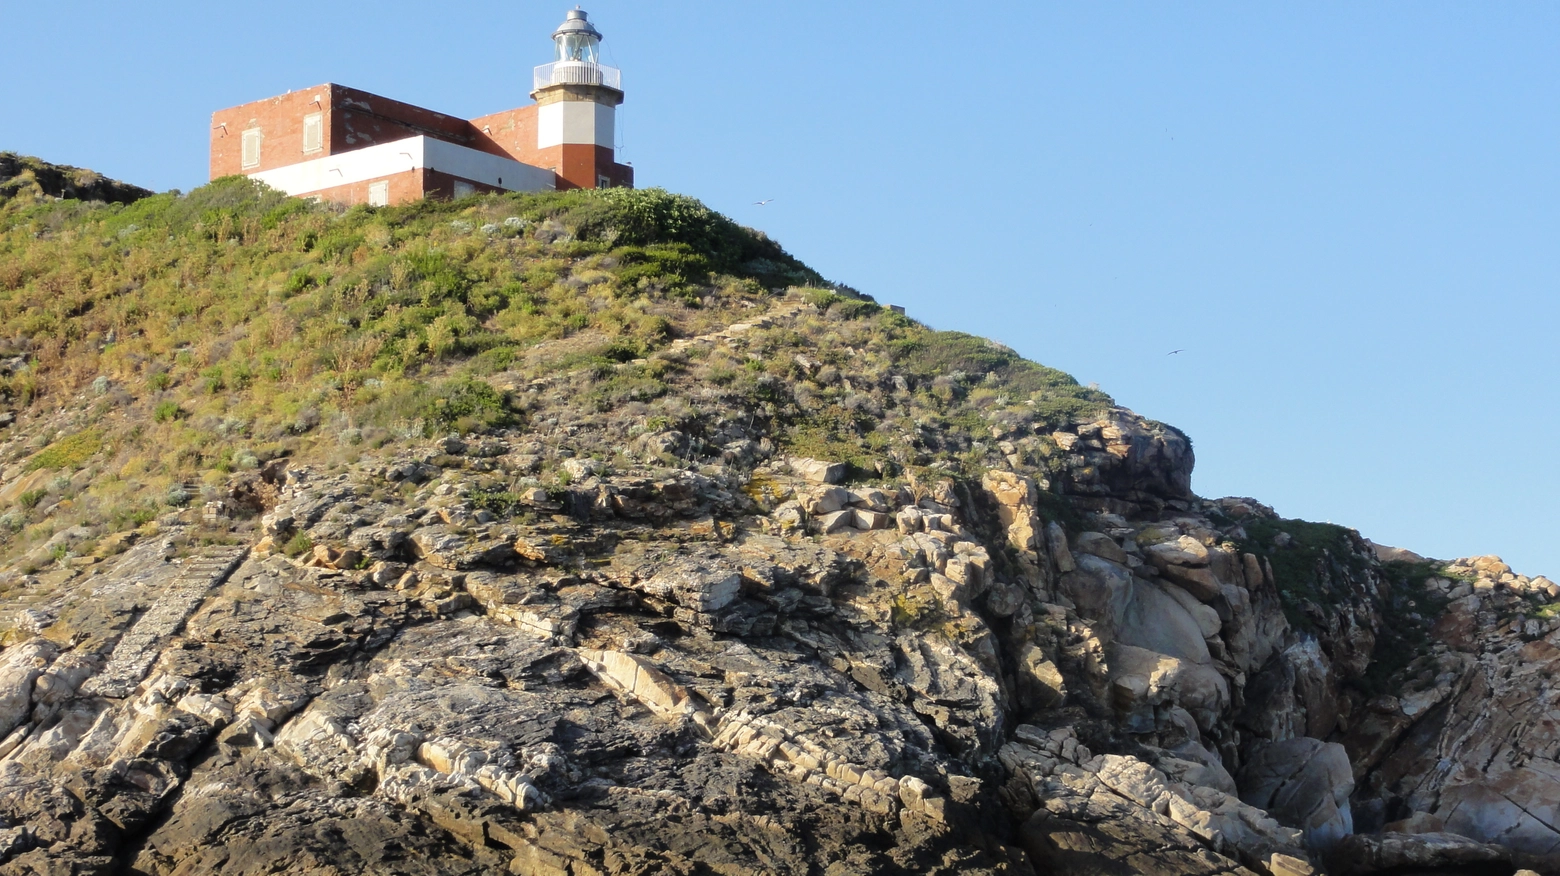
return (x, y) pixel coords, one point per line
(1304, 782)
(742, 666)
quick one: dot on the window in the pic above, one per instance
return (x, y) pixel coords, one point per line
(251, 147)
(379, 193)
(462, 189)
(603, 182)
(313, 132)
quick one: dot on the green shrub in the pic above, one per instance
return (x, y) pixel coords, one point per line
(625, 383)
(167, 412)
(465, 405)
(500, 503)
(298, 545)
(31, 498)
(69, 452)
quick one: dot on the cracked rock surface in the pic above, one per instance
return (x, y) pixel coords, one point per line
(749, 662)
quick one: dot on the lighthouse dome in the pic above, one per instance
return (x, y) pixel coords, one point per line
(577, 22)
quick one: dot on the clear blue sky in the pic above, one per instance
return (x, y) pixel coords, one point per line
(1347, 214)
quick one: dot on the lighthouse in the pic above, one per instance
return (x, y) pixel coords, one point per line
(577, 99)
(339, 144)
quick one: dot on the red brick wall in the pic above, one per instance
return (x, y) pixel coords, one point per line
(364, 119)
(511, 133)
(353, 119)
(280, 120)
(404, 187)
(437, 184)
(579, 165)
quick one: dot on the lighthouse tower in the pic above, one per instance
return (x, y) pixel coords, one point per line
(577, 99)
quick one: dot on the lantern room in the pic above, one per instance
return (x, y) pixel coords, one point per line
(577, 39)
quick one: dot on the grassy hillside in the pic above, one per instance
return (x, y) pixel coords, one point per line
(153, 351)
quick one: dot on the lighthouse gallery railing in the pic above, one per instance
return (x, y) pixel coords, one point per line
(577, 73)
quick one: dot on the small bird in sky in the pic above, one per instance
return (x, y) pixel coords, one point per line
(763, 202)
(1173, 352)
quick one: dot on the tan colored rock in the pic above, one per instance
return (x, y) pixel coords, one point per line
(817, 471)
(1199, 582)
(918, 797)
(1008, 489)
(1280, 864)
(1388, 554)
(870, 520)
(1183, 551)
(385, 573)
(839, 521)
(1251, 570)
(1100, 545)
(1015, 497)
(636, 675)
(870, 500)
(826, 501)
(1142, 681)
(1040, 683)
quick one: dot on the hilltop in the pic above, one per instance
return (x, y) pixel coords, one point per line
(29, 180)
(590, 532)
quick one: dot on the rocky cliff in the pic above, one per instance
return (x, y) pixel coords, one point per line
(639, 553)
(26, 178)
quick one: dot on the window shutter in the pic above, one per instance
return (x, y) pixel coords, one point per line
(251, 147)
(313, 132)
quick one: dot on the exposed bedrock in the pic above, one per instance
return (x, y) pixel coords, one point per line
(749, 665)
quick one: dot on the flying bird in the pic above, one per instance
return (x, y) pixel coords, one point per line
(763, 202)
(1173, 352)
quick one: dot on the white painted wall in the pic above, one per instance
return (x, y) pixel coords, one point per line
(400, 156)
(575, 122)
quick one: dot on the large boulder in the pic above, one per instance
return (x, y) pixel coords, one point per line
(1304, 783)
(1156, 621)
(1100, 589)
(1133, 459)
(1145, 685)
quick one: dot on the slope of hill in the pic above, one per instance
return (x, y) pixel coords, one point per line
(591, 533)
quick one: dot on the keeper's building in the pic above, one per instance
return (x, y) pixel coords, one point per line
(344, 145)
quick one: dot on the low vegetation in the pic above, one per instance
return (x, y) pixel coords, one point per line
(1312, 563)
(166, 344)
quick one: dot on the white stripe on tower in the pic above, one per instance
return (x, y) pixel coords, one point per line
(575, 122)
